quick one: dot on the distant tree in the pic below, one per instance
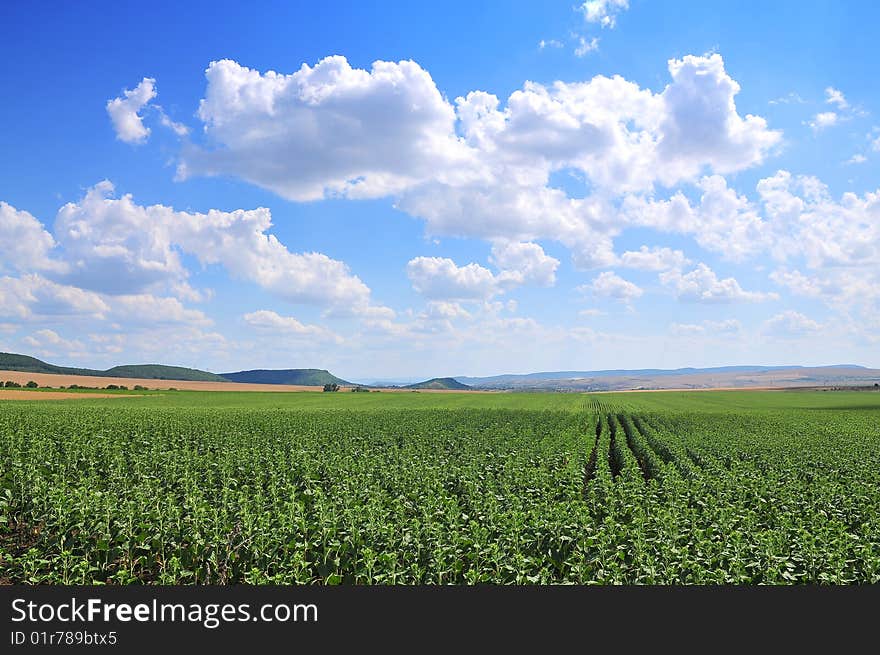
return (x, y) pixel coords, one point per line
(877, 385)
(111, 387)
(138, 387)
(123, 387)
(331, 386)
(31, 385)
(12, 384)
(360, 390)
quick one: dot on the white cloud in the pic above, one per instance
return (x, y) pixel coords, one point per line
(823, 120)
(178, 128)
(790, 323)
(31, 297)
(788, 98)
(124, 112)
(146, 309)
(49, 342)
(856, 159)
(604, 12)
(703, 286)
(519, 263)
(723, 221)
(585, 46)
(439, 278)
(478, 169)
(443, 310)
(116, 246)
(24, 244)
(268, 320)
(610, 285)
(875, 144)
(835, 97)
(549, 43)
(523, 263)
(727, 327)
(654, 259)
(807, 223)
(325, 130)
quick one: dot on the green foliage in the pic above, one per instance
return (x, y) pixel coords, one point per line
(31, 385)
(331, 386)
(12, 384)
(400, 488)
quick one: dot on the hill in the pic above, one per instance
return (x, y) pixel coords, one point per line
(26, 364)
(440, 383)
(302, 376)
(161, 372)
(682, 378)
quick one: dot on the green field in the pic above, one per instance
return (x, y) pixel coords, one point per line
(657, 488)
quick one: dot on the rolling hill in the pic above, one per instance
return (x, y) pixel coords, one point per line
(302, 376)
(26, 364)
(682, 378)
(440, 383)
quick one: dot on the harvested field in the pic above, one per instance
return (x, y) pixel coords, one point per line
(52, 380)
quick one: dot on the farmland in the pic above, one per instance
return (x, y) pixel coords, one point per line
(457, 488)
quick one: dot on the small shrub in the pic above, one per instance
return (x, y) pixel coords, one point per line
(12, 384)
(32, 385)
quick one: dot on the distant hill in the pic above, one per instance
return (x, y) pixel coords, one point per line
(440, 383)
(303, 376)
(161, 372)
(26, 364)
(682, 378)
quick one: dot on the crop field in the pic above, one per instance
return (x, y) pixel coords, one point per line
(654, 488)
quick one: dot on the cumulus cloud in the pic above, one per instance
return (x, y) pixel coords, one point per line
(325, 130)
(603, 12)
(32, 296)
(727, 327)
(823, 120)
(146, 309)
(549, 43)
(806, 222)
(835, 97)
(478, 167)
(586, 46)
(118, 247)
(439, 278)
(703, 286)
(523, 263)
(270, 321)
(49, 342)
(519, 263)
(610, 285)
(125, 112)
(654, 259)
(24, 244)
(790, 324)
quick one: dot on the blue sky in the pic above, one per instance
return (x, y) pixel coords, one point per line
(398, 190)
